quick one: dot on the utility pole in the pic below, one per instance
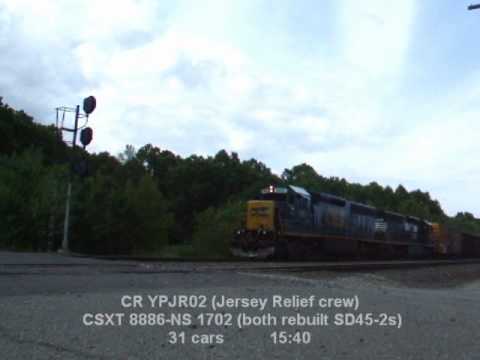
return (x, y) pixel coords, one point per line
(89, 105)
(474, 7)
(66, 223)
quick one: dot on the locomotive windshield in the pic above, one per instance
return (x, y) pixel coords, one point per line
(274, 196)
(274, 193)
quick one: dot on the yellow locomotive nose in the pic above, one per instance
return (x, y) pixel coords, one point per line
(260, 215)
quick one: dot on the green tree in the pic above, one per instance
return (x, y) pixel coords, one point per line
(31, 201)
(148, 217)
(128, 154)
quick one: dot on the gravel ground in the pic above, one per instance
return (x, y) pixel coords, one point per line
(435, 277)
(41, 312)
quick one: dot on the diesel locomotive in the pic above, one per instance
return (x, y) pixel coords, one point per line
(293, 223)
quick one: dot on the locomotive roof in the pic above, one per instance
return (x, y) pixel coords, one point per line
(393, 214)
(304, 193)
(328, 198)
(300, 191)
(369, 207)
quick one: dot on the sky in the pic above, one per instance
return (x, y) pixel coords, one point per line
(371, 90)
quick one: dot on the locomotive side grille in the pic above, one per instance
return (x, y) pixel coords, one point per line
(380, 225)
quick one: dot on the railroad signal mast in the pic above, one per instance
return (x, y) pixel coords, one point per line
(86, 135)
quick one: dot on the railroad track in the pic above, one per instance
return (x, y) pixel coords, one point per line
(368, 265)
(150, 267)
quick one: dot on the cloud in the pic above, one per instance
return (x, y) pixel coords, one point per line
(330, 83)
(376, 35)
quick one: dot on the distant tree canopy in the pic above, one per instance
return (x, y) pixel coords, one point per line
(466, 222)
(144, 200)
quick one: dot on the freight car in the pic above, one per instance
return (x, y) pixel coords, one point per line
(291, 222)
(451, 242)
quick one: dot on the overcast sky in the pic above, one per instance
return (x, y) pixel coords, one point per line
(385, 91)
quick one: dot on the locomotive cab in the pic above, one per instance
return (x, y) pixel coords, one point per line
(257, 238)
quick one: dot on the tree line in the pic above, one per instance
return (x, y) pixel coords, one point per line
(151, 201)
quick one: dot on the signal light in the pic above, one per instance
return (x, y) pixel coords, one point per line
(89, 104)
(86, 136)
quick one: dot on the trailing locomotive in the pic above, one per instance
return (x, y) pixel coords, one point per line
(290, 222)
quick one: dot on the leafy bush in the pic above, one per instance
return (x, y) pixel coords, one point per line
(214, 228)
